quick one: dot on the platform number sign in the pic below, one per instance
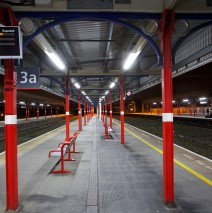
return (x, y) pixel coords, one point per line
(28, 77)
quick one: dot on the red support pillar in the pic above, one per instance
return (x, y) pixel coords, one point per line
(111, 113)
(51, 111)
(84, 112)
(11, 135)
(105, 111)
(79, 113)
(45, 110)
(10, 97)
(122, 108)
(166, 28)
(67, 108)
(26, 110)
(87, 112)
(37, 110)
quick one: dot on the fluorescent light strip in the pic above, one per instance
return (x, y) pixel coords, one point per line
(131, 58)
(55, 58)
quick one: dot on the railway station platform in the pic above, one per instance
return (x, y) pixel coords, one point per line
(108, 177)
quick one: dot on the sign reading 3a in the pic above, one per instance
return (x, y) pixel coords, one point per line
(28, 77)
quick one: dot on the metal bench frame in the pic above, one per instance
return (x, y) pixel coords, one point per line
(65, 148)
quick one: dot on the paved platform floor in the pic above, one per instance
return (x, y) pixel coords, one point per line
(108, 177)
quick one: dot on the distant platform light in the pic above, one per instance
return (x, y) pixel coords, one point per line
(185, 100)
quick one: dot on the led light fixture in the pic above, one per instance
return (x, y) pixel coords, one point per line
(77, 85)
(55, 58)
(130, 59)
(112, 85)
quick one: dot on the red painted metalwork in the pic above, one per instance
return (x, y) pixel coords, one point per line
(166, 29)
(87, 112)
(67, 108)
(79, 113)
(105, 105)
(51, 111)
(26, 110)
(37, 110)
(45, 111)
(8, 18)
(111, 113)
(74, 144)
(121, 80)
(84, 112)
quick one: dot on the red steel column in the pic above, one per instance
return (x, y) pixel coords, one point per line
(45, 110)
(103, 107)
(166, 28)
(37, 110)
(11, 135)
(87, 112)
(26, 110)
(84, 112)
(121, 80)
(67, 108)
(10, 97)
(79, 113)
(51, 111)
(111, 122)
(105, 111)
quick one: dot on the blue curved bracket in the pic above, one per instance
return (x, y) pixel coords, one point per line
(97, 17)
(180, 41)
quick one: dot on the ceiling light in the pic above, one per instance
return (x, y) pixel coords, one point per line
(130, 59)
(55, 58)
(77, 85)
(106, 92)
(154, 103)
(203, 98)
(112, 85)
(129, 93)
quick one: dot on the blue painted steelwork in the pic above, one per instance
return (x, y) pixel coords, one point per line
(193, 16)
(180, 41)
(114, 20)
(60, 17)
(74, 14)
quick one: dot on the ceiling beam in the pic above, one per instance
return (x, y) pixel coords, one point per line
(100, 73)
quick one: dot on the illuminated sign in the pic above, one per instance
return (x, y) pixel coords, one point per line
(10, 42)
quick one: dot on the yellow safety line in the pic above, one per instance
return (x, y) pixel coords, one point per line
(198, 175)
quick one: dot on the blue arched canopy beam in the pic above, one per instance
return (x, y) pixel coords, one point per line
(101, 17)
(180, 41)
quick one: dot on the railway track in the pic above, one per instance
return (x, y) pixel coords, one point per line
(29, 130)
(192, 134)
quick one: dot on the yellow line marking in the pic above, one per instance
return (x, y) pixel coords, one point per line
(198, 175)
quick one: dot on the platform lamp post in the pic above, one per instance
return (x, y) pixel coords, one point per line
(165, 34)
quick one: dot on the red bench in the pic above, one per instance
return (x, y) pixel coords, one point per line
(63, 149)
(106, 130)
